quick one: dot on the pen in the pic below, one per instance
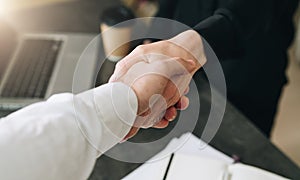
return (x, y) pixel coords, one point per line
(168, 167)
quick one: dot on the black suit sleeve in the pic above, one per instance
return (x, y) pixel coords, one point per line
(166, 8)
(230, 26)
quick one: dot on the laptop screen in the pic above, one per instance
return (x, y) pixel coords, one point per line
(8, 43)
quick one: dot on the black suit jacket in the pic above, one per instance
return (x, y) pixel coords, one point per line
(250, 37)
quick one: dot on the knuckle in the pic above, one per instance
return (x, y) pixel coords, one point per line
(120, 65)
(141, 48)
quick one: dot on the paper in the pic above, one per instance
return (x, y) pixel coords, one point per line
(189, 167)
(185, 166)
(194, 159)
(245, 172)
(155, 167)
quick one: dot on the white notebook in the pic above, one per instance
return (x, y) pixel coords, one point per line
(190, 158)
(184, 166)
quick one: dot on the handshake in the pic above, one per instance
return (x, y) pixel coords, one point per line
(159, 73)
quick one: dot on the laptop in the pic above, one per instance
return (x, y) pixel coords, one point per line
(35, 66)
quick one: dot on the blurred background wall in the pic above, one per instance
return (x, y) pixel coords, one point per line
(7, 6)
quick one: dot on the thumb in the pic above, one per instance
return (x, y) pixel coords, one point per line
(133, 131)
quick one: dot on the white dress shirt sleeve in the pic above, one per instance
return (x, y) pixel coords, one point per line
(62, 137)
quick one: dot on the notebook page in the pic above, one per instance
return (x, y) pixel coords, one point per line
(246, 172)
(189, 167)
(155, 167)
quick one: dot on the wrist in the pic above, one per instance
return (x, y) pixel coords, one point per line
(191, 41)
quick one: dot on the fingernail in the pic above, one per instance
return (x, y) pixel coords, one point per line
(172, 118)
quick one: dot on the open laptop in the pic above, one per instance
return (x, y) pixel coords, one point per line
(35, 66)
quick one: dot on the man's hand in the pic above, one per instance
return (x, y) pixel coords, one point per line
(156, 69)
(158, 86)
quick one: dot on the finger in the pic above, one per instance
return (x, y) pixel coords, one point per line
(170, 114)
(183, 103)
(182, 83)
(158, 108)
(171, 94)
(176, 89)
(186, 91)
(137, 55)
(161, 124)
(146, 113)
(176, 72)
(133, 131)
(123, 66)
(112, 78)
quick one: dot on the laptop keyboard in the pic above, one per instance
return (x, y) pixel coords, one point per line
(32, 70)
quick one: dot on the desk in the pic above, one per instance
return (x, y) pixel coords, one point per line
(235, 136)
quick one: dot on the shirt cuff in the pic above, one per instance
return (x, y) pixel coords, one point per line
(106, 114)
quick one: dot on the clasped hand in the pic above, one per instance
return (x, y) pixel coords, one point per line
(159, 74)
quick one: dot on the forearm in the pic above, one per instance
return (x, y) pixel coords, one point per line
(62, 137)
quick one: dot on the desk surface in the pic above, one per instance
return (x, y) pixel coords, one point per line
(235, 136)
